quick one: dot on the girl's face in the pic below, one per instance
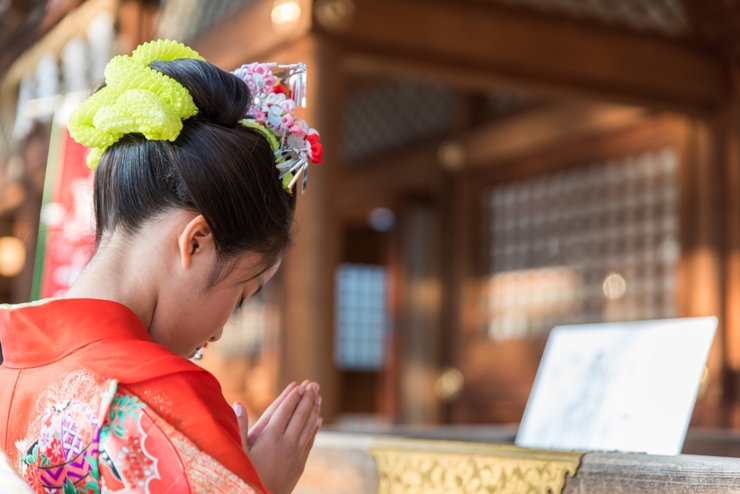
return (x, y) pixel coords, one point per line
(191, 309)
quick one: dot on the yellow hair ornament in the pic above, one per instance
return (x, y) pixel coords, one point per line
(136, 99)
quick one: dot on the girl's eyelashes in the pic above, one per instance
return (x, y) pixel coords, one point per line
(241, 301)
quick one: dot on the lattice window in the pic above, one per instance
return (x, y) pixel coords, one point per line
(592, 244)
(664, 16)
(361, 317)
(392, 114)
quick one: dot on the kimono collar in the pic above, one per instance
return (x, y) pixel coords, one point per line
(43, 332)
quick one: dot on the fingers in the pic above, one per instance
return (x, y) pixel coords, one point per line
(309, 446)
(264, 419)
(282, 416)
(311, 426)
(308, 405)
(243, 420)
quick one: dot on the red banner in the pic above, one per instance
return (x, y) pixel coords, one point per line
(67, 230)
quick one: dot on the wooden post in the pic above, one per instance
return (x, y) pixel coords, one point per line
(420, 330)
(730, 114)
(137, 23)
(700, 270)
(308, 268)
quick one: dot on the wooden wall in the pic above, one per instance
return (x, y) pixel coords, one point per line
(612, 92)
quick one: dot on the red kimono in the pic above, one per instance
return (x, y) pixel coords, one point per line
(89, 404)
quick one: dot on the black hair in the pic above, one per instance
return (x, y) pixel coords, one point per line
(216, 167)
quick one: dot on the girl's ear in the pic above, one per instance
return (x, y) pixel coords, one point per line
(193, 240)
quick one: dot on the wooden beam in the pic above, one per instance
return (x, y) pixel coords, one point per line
(537, 129)
(487, 46)
(251, 34)
(716, 22)
(496, 144)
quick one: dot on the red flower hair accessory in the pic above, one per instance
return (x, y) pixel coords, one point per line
(278, 90)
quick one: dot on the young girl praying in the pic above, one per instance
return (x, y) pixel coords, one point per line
(194, 194)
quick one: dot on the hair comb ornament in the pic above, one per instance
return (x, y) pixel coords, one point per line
(278, 90)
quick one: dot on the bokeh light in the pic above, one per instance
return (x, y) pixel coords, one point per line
(12, 256)
(615, 286)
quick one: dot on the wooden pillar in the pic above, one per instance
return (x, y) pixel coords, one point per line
(701, 268)
(730, 135)
(308, 268)
(420, 318)
(137, 23)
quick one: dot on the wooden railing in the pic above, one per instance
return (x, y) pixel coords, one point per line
(359, 463)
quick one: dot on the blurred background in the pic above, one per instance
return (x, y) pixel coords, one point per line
(493, 168)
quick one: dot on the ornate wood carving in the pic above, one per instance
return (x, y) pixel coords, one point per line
(437, 467)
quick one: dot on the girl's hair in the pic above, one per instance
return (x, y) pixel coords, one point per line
(216, 167)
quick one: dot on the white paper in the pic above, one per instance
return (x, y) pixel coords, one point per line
(618, 386)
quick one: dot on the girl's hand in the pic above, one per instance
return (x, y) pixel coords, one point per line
(249, 436)
(280, 441)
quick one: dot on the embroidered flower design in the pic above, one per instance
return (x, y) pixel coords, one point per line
(55, 452)
(24, 445)
(32, 476)
(45, 439)
(138, 464)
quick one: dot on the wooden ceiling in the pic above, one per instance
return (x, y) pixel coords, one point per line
(485, 46)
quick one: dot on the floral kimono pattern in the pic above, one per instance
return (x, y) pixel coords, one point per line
(89, 404)
(99, 439)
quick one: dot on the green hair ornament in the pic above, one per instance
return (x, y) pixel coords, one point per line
(135, 99)
(139, 99)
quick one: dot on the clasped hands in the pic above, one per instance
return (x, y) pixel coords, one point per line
(279, 442)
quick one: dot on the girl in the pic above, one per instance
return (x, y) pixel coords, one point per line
(96, 391)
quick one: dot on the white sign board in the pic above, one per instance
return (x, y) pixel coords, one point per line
(618, 386)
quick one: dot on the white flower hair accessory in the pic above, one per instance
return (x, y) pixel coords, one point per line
(278, 90)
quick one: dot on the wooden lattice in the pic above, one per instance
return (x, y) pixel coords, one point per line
(592, 244)
(392, 114)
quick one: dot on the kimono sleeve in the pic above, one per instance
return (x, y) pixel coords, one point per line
(193, 404)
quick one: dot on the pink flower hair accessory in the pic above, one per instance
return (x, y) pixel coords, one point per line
(258, 76)
(278, 91)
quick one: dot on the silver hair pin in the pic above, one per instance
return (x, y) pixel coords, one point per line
(278, 90)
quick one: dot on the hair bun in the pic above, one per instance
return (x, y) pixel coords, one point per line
(221, 97)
